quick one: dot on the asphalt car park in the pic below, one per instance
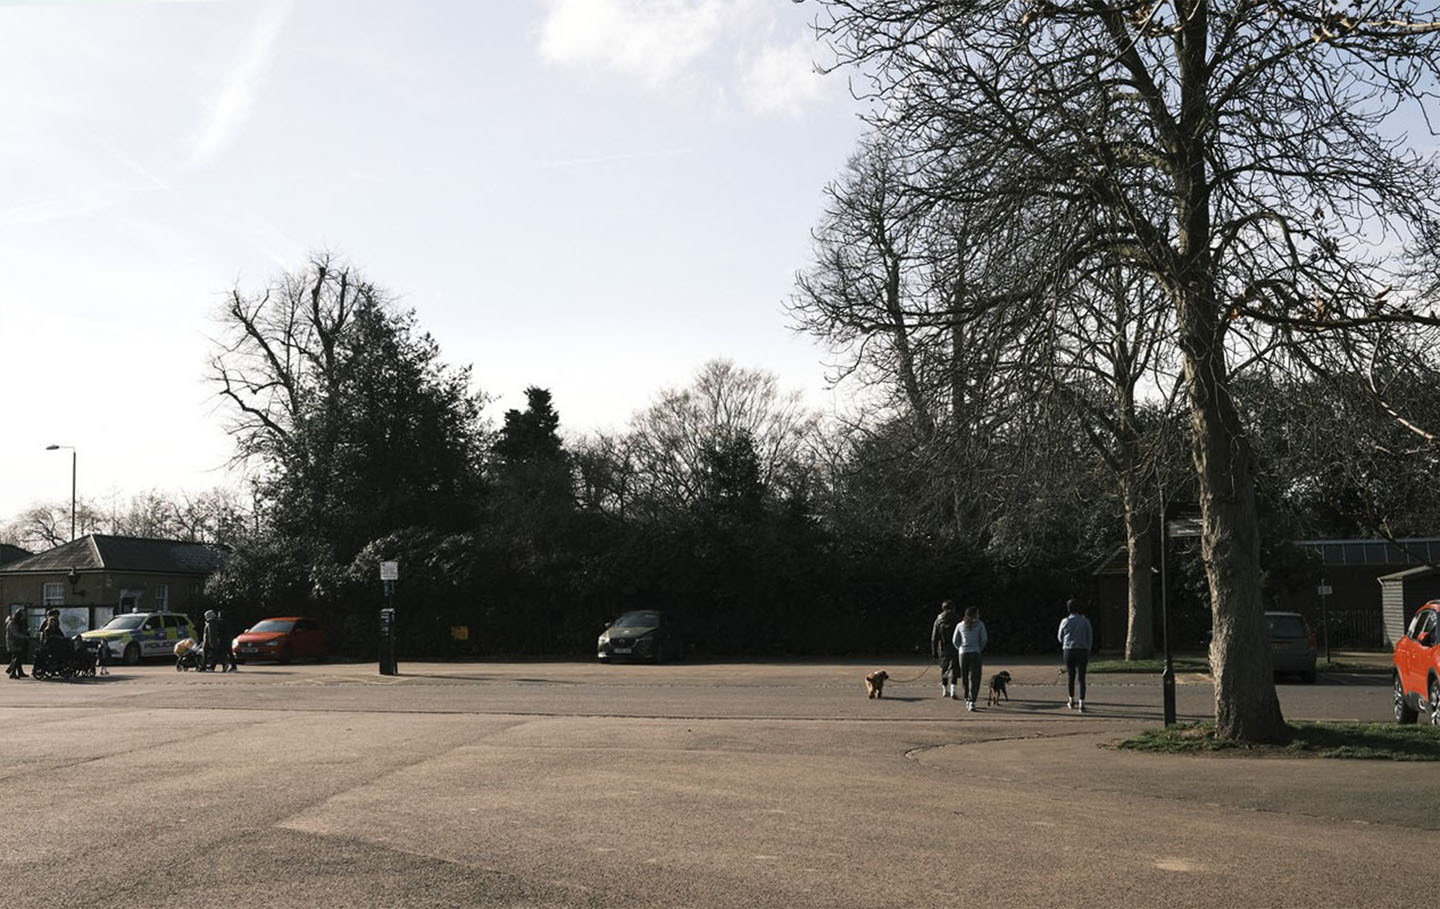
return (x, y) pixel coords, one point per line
(694, 784)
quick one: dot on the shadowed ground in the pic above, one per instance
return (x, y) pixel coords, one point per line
(571, 784)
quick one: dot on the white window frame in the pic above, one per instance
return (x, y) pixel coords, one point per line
(162, 597)
(53, 593)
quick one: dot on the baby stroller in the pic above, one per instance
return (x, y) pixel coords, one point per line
(63, 658)
(188, 655)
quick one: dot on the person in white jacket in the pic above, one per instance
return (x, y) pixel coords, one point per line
(970, 639)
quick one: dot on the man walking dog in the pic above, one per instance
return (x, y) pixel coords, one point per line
(942, 647)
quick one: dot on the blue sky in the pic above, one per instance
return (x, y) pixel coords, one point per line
(594, 196)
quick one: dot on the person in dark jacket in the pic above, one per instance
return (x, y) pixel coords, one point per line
(227, 653)
(210, 641)
(50, 630)
(942, 647)
(16, 639)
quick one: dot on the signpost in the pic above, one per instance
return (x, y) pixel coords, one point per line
(1325, 590)
(389, 574)
(1180, 527)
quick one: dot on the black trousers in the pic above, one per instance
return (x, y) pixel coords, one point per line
(970, 672)
(1075, 662)
(15, 667)
(949, 665)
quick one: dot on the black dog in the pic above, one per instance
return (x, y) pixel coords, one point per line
(998, 681)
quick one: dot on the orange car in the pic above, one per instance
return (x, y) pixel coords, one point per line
(1417, 667)
(280, 639)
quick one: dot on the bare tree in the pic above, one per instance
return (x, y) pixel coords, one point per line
(1243, 153)
(668, 441)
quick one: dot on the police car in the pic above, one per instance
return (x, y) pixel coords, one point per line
(136, 635)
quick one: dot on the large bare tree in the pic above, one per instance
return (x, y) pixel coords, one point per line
(1245, 154)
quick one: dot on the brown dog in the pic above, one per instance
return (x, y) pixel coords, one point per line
(998, 681)
(875, 683)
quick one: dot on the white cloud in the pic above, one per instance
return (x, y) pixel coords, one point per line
(781, 79)
(232, 105)
(662, 42)
(653, 40)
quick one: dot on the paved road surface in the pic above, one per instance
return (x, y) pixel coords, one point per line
(571, 784)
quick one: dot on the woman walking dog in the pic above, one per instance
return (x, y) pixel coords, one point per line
(970, 640)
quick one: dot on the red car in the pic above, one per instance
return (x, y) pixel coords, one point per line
(1417, 667)
(280, 639)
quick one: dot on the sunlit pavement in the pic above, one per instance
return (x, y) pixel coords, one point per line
(719, 784)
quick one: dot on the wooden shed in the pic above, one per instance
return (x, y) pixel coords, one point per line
(1401, 594)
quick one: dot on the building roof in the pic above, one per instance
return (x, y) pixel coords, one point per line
(1407, 551)
(10, 553)
(102, 552)
(1402, 553)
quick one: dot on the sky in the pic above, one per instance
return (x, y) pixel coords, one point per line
(591, 196)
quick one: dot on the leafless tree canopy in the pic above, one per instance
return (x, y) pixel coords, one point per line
(1250, 158)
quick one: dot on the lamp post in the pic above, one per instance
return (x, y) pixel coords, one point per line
(72, 483)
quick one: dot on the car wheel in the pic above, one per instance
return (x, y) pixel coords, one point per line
(132, 654)
(1435, 702)
(1403, 713)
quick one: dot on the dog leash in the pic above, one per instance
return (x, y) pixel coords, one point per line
(908, 681)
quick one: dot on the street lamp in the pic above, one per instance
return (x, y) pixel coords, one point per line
(72, 483)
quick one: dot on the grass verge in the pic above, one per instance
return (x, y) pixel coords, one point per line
(1358, 741)
(1182, 664)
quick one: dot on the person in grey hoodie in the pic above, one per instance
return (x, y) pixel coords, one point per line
(1076, 638)
(970, 639)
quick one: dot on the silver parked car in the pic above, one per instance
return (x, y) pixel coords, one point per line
(1292, 644)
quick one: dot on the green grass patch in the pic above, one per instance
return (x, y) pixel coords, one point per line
(1156, 666)
(1358, 741)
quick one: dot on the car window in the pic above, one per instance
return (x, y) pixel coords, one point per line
(1285, 626)
(153, 622)
(1424, 621)
(638, 620)
(273, 626)
(124, 623)
(172, 621)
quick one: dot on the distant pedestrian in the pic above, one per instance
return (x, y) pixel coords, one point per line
(942, 647)
(210, 641)
(970, 639)
(1076, 638)
(16, 639)
(227, 652)
(102, 657)
(50, 630)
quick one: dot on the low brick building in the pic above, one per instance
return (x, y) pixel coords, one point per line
(93, 578)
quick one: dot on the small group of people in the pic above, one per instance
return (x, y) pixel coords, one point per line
(959, 641)
(49, 635)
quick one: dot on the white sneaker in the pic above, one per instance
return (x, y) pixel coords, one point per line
(1070, 702)
(1082, 707)
(969, 705)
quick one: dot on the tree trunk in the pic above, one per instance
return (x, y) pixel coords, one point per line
(1140, 549)
(1246, 707)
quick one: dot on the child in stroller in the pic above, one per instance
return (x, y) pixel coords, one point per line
(188, 655)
